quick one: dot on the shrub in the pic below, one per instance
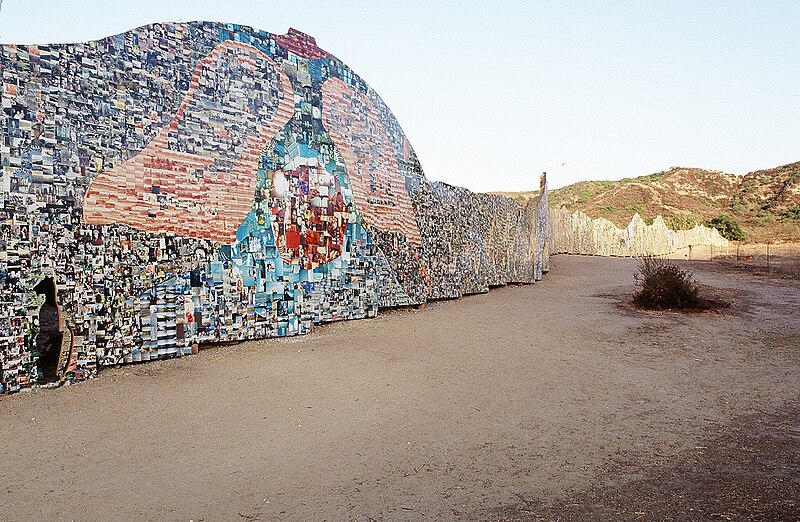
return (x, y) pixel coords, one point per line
(664, 285)
(679, 222)
(728, 228)
(584, 195)
(791, 214)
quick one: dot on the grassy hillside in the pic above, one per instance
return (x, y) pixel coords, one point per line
(765, 203)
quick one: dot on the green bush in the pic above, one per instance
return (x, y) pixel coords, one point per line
(727, 227)
(664, 285)
(584, 195)
(791, 214)
(679, 222)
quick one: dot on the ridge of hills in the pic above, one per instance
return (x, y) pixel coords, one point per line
(765, 203)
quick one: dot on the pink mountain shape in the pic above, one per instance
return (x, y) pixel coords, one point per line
(300, 44)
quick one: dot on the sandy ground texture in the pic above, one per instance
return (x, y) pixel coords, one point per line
(556, 401)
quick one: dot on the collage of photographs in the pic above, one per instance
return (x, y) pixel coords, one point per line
(184, 184)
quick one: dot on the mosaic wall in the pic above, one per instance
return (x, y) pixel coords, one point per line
(182, 184)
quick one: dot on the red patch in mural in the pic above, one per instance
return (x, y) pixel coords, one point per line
(309, 213)
(300, 44)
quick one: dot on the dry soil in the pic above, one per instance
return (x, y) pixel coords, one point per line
(556, 401)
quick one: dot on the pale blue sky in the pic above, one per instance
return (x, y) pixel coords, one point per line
(491, 93)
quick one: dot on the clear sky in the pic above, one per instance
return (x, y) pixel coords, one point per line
(492, 92)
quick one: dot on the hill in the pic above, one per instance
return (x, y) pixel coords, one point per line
(765, 203)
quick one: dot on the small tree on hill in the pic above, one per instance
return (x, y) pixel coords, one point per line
(727, 227)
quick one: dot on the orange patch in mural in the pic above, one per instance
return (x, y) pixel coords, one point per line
(197, 177)
(378, 185)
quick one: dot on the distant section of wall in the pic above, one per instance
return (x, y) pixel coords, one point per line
(577, 233)
(542, 259)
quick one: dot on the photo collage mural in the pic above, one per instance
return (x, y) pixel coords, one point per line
(191, 183)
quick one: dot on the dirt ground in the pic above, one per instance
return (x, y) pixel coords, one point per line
(555, 401)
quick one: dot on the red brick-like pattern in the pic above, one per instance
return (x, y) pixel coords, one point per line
(375, 178)
(202, 187)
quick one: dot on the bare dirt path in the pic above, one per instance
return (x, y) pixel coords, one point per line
(552, 401)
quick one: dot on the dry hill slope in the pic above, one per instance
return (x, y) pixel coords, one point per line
(766, 203)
